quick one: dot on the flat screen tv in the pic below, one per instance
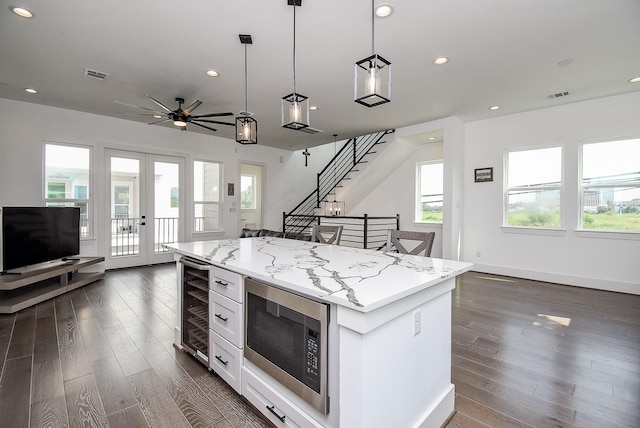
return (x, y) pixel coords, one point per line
(32, 235)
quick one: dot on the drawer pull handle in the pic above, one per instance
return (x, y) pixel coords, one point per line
(224, 284)
(219, 316)
(270, 408)
(219, 358)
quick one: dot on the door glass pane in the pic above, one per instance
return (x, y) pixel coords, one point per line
(166, 203)
(125, 196)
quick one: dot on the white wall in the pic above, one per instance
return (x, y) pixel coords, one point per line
(606, 261)
(26, 126)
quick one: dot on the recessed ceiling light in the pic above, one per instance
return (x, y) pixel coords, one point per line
(384, 10)
(432, 138)
(635, 80)
(157, 116)
(20, 11)
(31, 90)
(441, 60)
(494, 108)
(314, 108)
(212, 73)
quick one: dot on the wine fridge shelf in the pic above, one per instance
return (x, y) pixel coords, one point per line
(195, 313)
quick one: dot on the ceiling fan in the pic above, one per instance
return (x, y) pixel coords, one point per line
(182, 115)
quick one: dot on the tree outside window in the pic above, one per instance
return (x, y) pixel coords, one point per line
(429, 201)
(533, 188)
(611, 185)
(67, 173)
(247, 192)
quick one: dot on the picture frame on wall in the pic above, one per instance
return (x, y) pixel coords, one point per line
(231, 190)
(483, 174)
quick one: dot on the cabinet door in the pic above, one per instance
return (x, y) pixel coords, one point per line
(226, 318)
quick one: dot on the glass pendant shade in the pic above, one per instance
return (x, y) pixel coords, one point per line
(246, 130)
(372, 84)
(295, 111)
(334, 208)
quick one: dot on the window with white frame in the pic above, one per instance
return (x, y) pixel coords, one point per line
(611, 185)
(67, 181)
(429, 186)
(207, 196)
(533, 187)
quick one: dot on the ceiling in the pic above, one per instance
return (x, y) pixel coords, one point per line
(514, 54)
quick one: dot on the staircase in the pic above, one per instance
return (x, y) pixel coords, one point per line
(346, 161)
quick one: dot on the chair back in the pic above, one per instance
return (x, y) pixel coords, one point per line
(326, 234)
(424, 242)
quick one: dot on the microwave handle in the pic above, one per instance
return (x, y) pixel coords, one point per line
(194, 265)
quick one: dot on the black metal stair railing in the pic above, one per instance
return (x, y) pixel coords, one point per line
(345, 161)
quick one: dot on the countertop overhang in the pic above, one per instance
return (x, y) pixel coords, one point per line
(360, 279)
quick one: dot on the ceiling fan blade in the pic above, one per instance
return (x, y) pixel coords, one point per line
(212, 121)
(203, 126)
(159, 103)
(143, 108)
(159, 121)
(212, 115)
(194, 105)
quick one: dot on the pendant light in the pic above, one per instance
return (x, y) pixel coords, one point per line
(334, 208)
(246, 126)
(372, 85)
(295, 107)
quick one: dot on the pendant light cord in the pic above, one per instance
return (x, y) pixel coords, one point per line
(294, 52)
(373, 19)
(246, 96)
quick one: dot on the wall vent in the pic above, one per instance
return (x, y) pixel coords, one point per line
(309, 130)
(559, 94)
(95, 74)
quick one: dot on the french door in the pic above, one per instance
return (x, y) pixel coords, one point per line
(145, 208)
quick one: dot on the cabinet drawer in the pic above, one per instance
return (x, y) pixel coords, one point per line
(227, 283)
(226, 360)
(226, 318)
(277, 408)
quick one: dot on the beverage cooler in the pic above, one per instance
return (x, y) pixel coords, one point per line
(195, 308)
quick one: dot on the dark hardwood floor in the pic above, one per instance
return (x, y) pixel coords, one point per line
(525, 354)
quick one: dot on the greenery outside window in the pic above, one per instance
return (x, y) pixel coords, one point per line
(533, 188)
(247, 192)
(429, 186)
(611, 185)
(207, 196)
(67, 181)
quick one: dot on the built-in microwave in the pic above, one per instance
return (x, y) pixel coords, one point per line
(286, 336)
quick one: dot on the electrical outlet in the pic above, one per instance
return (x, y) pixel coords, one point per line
(417, 322)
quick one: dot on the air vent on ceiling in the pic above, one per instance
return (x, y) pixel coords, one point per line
(309, 130)
(95, 74)
(559, 94)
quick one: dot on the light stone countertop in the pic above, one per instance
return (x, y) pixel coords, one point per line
(363, 280)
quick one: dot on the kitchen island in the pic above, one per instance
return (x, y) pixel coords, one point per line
(389, 335)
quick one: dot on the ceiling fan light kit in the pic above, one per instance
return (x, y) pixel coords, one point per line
(295, 106)
(372, 75)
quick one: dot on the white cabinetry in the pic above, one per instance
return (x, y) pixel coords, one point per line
(226, 323)
(271, 403)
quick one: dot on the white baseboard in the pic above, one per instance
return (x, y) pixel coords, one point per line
(440, 412)
(578, 281)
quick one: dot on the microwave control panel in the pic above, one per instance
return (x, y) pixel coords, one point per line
(312, 372)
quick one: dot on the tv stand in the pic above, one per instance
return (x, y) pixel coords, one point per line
(37, 284)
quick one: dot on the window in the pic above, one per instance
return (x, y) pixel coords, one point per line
(533, 187)
(429, 188)
(206, 196)
(67, 175)
(247, 192)
(611, 185)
